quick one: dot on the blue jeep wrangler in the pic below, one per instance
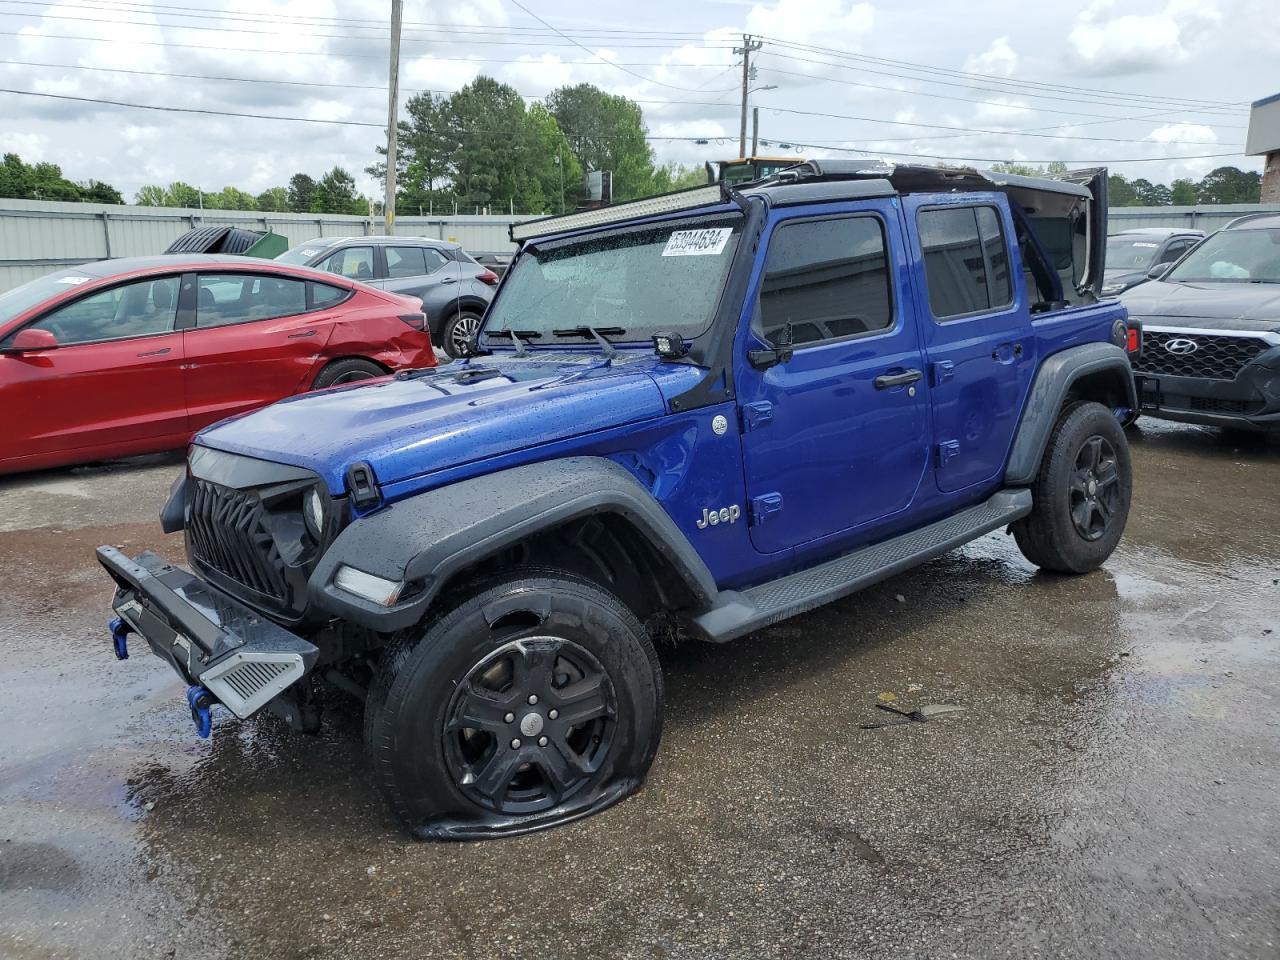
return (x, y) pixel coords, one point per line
(695, 414)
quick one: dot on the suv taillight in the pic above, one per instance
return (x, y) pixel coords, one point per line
(1135, 340)
(488, 277)
(416, 320)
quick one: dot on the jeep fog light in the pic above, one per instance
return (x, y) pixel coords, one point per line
(378, 590)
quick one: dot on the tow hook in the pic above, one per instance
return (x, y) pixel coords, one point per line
(201, 702)
(119, 631)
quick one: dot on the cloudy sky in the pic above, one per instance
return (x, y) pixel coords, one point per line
(1119, 81)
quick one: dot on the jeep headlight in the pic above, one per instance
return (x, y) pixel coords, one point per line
(313, 513)
(373, 588)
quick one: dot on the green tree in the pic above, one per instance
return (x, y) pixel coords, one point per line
(1056, 168)
(15, 177)
(676, 176)
(552, 162)
(1120, 192)
(229, 198)
(152, 195)
(1183, 193)
(336, 193)
(302, 191)
(1017, 169)
(273, 200)
(179, 194)
(95, 191)
(424, 161)
(1148, 194)
(1230, 185)
(607, 133)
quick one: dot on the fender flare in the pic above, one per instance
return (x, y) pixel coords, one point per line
(1054, 380)
(432, 536)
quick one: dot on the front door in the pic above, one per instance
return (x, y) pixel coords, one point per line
(836, 437)
(977, 332)
(115, 377)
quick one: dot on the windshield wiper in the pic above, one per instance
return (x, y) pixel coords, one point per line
(595, 333)
(517, 337)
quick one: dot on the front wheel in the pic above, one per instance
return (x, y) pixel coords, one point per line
(534, 701)
(1081, 494)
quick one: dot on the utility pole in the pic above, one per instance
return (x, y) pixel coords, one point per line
(755, 130)
(393, 98)
(748, 47)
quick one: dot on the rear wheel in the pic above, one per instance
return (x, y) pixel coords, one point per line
(534, 701)
(346, 371)
(459, 332)
(1081, 494)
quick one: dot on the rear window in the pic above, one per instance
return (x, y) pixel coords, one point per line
(966, 261)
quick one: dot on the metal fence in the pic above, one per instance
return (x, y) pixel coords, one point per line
(38, 236)
(1209, 217)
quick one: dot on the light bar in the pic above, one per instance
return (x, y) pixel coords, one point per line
(680, 200)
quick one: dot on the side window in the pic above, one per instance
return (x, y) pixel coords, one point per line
(435, 259)
(405, 262)
(244, 297)
(356, 263)
(130, 310)
(966, 260)
(323, 295)
(828, 279)
(1174, 250)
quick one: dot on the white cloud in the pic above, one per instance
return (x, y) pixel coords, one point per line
(1183, 132)
(1106, 43)
(999, 59)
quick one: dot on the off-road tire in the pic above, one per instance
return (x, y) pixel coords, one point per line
(422, 675)
(449, 333)
(351, 370)
(1049, 536)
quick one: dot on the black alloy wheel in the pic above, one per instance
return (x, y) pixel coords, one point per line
(530, 725)
(1094, 488)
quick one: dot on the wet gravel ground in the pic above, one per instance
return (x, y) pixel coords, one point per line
(1109, 789)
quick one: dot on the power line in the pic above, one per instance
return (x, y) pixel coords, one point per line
(989, 78)
(359, 123)
(611, 63)
(1057, 97)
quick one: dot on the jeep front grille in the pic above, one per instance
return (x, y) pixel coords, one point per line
(1215, 357)
(226, 533)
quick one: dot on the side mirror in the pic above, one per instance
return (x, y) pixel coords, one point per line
(1159, 270)
(32, 339)
(783, 350)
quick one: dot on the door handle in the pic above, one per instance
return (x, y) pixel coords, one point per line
(449, 280)
(154, 353)
(887, 380)
(304, 333)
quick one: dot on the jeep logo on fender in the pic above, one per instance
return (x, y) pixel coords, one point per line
(710, 518)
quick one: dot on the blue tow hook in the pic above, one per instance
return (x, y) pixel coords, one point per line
(119, 631)
(201, 701)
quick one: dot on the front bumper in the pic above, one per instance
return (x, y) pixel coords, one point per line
(1249, 400)
(210, 639)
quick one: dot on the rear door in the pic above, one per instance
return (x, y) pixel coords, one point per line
(355, 262)
(837, 436)
(977, 330)
(253, 339)
(114, 378)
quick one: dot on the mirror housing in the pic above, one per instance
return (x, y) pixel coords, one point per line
(782, 350)
(1159, 270)
(30, 340)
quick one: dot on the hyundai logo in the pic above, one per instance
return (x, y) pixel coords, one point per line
(1182, 346)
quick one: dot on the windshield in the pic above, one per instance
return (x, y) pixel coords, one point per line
(21, 299)
(629, 285)
(304, 253)
(1252, 255)
(1130, 253)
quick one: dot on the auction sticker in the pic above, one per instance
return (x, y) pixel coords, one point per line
(698, 243)
(73, 281)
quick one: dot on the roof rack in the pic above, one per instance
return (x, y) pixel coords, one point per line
(650, 206)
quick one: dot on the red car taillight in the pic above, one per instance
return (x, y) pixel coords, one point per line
(488, 277)
(1135, 340)
(416, 320)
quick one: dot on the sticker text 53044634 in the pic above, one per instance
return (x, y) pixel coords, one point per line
(697, 243)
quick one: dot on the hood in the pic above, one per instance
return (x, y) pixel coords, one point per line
(408, 425)
(1229, 304)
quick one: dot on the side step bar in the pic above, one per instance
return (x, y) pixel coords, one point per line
(737, 613)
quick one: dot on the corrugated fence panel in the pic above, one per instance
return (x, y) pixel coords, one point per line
(37, 237)
(1208, 218)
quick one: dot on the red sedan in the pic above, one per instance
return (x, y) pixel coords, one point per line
(123, 357)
